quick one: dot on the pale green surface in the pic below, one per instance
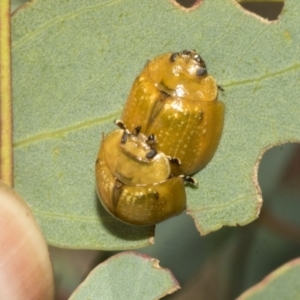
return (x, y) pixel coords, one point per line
(126, 276)
(281, 284)
(251, 1)
(74, 63)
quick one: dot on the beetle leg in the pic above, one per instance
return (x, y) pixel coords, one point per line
(220, 88)
(174, 160)
(190, 180)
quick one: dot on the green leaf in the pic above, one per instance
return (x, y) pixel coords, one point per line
(283, 283)
(128, 275)
(264, 1)
(73, 66)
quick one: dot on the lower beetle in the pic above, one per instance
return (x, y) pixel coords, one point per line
(134, 180)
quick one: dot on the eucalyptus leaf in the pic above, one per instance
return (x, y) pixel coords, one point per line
(258, 1)
(283, 283)
(73, 66)
(128, 275)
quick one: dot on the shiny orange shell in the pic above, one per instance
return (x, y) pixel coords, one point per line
(136, 187)
(175, 99)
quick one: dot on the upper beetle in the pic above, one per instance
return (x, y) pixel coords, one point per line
(175, 99)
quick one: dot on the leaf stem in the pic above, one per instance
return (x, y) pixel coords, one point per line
(6, 151)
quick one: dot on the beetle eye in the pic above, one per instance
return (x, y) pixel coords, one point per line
(151, 153)
(201, 71)
(174, 56)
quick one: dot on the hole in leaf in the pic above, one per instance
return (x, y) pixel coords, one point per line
(188, 3)
(269, 10)
(279, 179)
(279, 171)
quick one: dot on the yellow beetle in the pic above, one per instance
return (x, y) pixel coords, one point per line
(134, 180)
(176, 100)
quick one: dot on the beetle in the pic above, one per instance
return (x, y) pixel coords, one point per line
(134, 180)
(175, 99)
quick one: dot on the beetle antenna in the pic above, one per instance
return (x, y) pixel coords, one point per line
(136, 130)
(120, 124)
(126, 133)
(151, 141)
(124, 137)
